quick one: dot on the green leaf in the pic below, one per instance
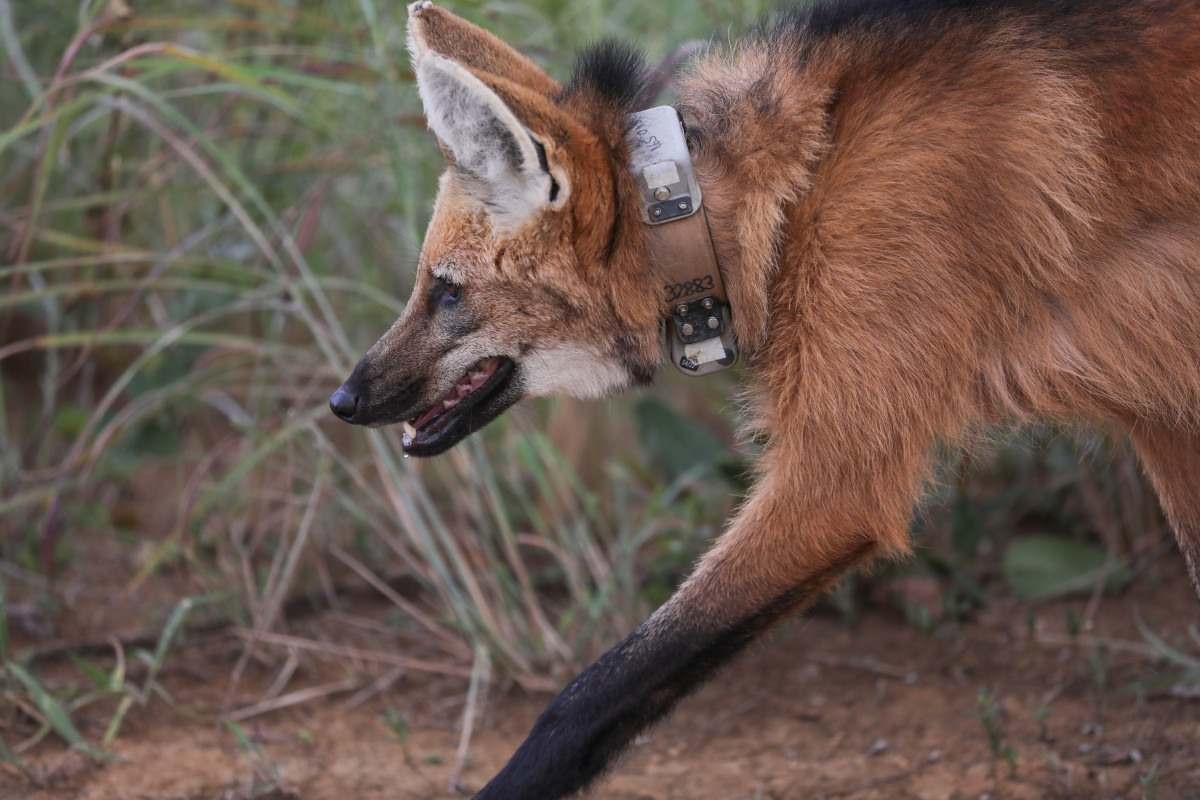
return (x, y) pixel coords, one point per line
(171, 630)
(243, 739)
(70, 420)
(96, 675)
(56, 717)
(1041, 567)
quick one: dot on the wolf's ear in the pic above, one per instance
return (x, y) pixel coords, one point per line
(434, 29)
(487, 141)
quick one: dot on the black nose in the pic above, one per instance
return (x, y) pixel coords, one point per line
(344, 403)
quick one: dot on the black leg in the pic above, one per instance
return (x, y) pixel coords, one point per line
(632, 686)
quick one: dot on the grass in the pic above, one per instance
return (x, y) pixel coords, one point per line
(213, 210)
(991, 716)
(114, 689)
(210, 211)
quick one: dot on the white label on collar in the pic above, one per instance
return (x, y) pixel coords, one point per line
(664, 173)
(705, 351)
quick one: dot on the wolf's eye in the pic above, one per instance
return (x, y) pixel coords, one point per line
(446, 294)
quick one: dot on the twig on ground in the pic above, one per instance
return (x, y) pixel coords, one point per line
(346, 651)
(380, 684)
(103, 645)
(861, 789)
(283, 677)
(868, 664)
(452, 643)
(293, 699)
(277, 589)
(1110, 534)
(1115, 645)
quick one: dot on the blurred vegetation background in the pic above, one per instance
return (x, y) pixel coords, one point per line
(208, 210)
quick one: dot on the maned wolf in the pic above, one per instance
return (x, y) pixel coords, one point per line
(913, 218)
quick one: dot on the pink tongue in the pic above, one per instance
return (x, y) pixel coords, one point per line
(477, 377)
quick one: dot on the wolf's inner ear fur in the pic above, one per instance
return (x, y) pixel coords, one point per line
(487, 141)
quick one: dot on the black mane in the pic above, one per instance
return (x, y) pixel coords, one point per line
(824, 18)
(612, 70)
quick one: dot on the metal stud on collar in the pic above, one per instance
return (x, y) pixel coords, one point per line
(697, 342)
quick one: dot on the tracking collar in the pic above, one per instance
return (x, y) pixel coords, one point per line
(695, 309)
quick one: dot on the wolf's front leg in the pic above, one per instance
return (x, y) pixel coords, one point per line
(786, 546)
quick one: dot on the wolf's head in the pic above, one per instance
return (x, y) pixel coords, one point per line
(529, 281)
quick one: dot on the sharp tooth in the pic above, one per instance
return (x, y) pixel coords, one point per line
(409, 430)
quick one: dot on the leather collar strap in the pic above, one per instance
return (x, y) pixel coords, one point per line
(695, 308)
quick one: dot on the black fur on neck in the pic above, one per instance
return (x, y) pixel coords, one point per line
(612, 71)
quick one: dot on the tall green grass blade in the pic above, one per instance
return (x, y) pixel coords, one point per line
(91, 288)
(68, 110)
(36, 495)
(15, 53)
(172, 628)
(3, 622)
(239, 77)
(119, 338)
(113, 729)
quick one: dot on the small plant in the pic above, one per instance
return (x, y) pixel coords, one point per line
(55, 714)
(1183, 677)
(268, 781)
(1041, 716)
(991, 717)
(1148, 781)
(397, 721)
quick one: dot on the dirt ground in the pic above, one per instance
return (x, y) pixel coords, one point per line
(820, 710)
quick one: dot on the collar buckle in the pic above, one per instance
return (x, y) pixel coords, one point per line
(700, 337)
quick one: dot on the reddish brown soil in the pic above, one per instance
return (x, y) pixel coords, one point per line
(822, 710)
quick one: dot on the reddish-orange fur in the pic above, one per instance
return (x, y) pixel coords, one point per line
(986, 234)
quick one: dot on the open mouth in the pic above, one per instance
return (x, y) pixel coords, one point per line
(477, 398)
